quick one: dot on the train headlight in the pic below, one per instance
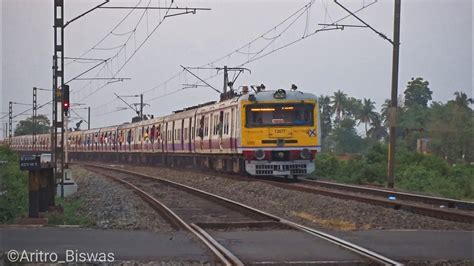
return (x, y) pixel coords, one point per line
(259, 154)
(305, 154)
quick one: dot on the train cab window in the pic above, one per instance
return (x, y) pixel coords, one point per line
(260, 115)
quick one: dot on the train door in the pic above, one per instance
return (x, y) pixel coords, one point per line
(181, 135)
(232, 128)
(165, 144)
(190, 134)
(211, 130)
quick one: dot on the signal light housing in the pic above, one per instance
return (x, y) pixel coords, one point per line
(65, 100)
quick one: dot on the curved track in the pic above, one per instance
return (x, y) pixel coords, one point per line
(229, 228)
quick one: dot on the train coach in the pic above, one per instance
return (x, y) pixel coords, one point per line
(271, 133)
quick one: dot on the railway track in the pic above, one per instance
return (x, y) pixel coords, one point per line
(385, 193)
(452, 210)
(238, 234)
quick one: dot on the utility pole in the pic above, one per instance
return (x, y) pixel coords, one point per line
(141, 107)
(10, 122)
(35, 113)
(89, 117)
(226, 80)
(57, 144)
(394, 93)
(394, 98)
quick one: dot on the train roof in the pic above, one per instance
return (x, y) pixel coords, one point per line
(271, 95)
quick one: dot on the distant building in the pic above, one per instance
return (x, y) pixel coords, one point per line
(422, 146)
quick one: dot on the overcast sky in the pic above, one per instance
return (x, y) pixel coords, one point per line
(436, 44)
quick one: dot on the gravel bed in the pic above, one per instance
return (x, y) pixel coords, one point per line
(317, 211)
(112, 206)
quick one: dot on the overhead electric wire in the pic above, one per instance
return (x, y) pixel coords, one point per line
(261, 36)
(108, 34)
(308, 35)
(298, 13)
(134, 52)
(29, 109)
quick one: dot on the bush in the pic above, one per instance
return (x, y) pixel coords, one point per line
(414, 172)
(13, 187)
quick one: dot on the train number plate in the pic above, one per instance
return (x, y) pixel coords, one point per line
(280, 132)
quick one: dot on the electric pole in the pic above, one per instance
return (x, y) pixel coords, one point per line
(89, 117)
(57, 143)
(35, 110)
(141, 107)
(10, 121)
(394, 92)
(394, 98)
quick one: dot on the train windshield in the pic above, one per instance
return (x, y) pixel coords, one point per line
(264, 115)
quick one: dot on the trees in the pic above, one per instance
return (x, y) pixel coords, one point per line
(353, 108)
(27, 126)
(367, 113)
(385, 111)
(377, 130)
(450, 128)
(462, 100)
(338, 101)
(325, 115)
(345, 138)
(417, 93)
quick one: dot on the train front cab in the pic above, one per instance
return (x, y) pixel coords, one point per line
(280, 134)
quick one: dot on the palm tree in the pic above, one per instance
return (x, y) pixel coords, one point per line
(353, 108)
(377, 130)
(385, 111)
(462, 100)
(339, 100)
(367, 113)
(325, 111)
(324, 103)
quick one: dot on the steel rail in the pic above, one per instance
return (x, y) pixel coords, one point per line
(171, 217)
(444, 214)
(335, 240)
(449, 203)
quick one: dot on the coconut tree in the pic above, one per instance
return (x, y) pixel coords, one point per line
(385, 111)
(367, 113)
(377, 130)
(325, 111)
(353, 108)
(462, 99)
(338, 101)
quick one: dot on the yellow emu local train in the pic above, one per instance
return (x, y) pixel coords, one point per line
(261, 133)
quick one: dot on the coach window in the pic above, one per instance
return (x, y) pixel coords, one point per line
(206, 126)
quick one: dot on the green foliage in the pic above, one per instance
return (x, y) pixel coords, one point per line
(451, 127)
(344, 138)
(339, 100)
(447, 127)
(325, 115)
(417, 93)
(27, 126)
(71, 214)
(367, 113)
(13, 187)
(414, 172)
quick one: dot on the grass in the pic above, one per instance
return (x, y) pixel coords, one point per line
(71, 214)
